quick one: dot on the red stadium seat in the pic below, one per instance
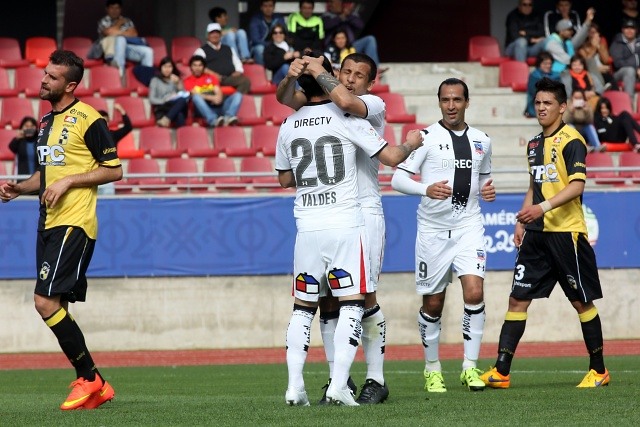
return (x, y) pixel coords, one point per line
(106, 81)
(28, 80)
(630, 159)
(44, 107)
(222, 165)
(273, 111)
(231, 141)
(156, 141)
(127, 148)
(6, 135)
(13, 110)
(10, 54)
(134, 106)
(486, 50)
(95, 102)
(159, 48)
(410, 126)
(38, 49)
(259, 82)
(5, 86)
(247, 114)
(81, 46)
(263, 165)
(182, 48)
(390, 135)
(602, 160)
(145, 166)
(264, 139)
(513, 74)
(183, 166)
(194, 140)
(396, 111)
(616, 146)
(620, 101)
(133, 84)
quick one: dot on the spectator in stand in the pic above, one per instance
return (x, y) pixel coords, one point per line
(119, 39)
(260, 28)
(563, 11)
(579, 115)
(610, 128)
(525, 32)
(278, 55)
(208, 98)
(120, 132)
(24, 146)
(578, 78)
(338, 49)
(563, 44)
(235, 38)
(343, 16)
(167, 95)
(117, 134)
(630, 12)
(595, 51)
(222, 61)
(544, 60)
(625, 50)
(306, 29)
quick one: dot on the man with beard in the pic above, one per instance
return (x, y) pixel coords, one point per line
(76, 154)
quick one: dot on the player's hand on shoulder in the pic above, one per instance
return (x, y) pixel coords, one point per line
(415, 138)
(439, 190)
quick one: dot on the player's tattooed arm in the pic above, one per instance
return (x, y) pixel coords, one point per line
(327, 82)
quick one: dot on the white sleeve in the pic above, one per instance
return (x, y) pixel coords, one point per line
(362, 134)
(403, 183)
(485, 166)
(282, 160)
(237, 64)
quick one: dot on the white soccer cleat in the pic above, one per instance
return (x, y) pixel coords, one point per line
(295, 397)
(343, 396)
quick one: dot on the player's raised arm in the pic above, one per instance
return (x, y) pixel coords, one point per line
(394, 155)
(286, 93)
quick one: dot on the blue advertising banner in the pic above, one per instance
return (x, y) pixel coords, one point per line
(145, 237)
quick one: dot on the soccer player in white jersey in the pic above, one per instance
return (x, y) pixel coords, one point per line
(316, 153)
(455, 169)
(351, 94)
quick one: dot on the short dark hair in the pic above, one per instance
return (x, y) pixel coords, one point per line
(28, 119)
(196, 58)
(541, 57)
(111, 2)
(552, 86)
(308, 83)
(69, 59)
(216, 12)
(301, 2)
(361, 57)
(452, 82)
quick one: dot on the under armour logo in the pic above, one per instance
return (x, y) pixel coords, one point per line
(446, 145)
(480, 267)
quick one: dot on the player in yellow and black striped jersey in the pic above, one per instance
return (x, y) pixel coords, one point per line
(551, 236)
(76, 154)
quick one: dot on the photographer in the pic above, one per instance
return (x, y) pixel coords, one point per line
(24, 146)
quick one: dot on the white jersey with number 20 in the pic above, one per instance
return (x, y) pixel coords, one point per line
(318, 144)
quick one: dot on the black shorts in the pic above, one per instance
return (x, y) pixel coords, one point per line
(62, 256)
(547, 258)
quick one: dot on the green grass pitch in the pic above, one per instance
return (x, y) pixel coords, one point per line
(542, 392)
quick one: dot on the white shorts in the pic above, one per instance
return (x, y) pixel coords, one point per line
(334, 261)
(439, 253)
(375, 229)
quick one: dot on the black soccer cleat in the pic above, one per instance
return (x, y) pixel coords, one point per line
(350, 384)
(372, 393)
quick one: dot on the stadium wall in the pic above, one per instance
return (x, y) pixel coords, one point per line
(253, 312)
(197, 273)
